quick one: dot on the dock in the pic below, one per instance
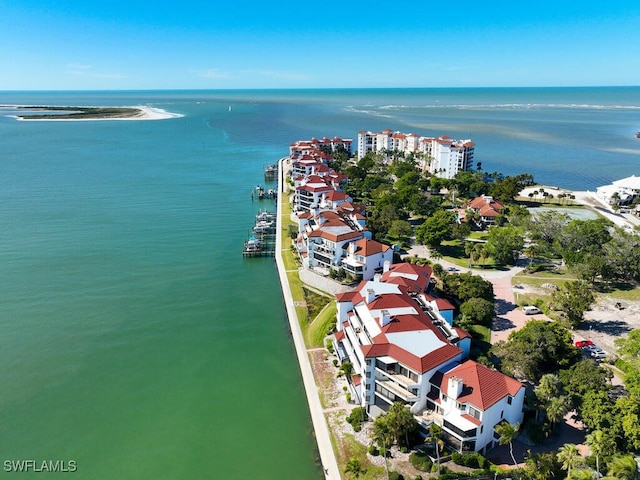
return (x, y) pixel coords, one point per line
(271, 172)
(261, 193)
(262, 241)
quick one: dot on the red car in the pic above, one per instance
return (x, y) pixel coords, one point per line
(583, 343)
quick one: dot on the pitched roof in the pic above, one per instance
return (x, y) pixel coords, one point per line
(415, 277)
(482, 386)
(367, 247)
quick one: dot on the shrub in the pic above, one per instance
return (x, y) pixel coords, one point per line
(471, 460)
(357, 416)
(373, 450)
(329, 345)
(335, 362)
(421, 461)
(395, 476)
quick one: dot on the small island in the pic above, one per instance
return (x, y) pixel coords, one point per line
(74, 113)
(81, 113)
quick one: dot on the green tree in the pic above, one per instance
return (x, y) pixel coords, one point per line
(466, 286)
(537, 348)
(623, 256)
(508, 433)
(574, 298)
(505, 244)
(597, 410)
(401, 422)
(600, 444)
(435, 229)
(549, 387)
(626, 422)
(581, 237)
(583, 377)
(570, 457)
(623, 467)
(435, 437)
(345, 370)
(400, 230)
(477, 311)
(629, 345)
(556, 409)
(354, 468)
(542, 466)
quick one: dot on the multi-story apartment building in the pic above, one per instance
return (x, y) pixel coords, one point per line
(404, 350)
(319, 146)
(365, 257)
(324, 237)
(310, 191)
(441, 156)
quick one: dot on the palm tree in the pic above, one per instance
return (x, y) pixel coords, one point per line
(623, 466)
(382, 436)
(435, 432)
(599, 444)
(556, 409)
(532, 252)
(582, 474)
(345, 370)
(468, 250)
(401, 421)
(507, 434)
(570, 457)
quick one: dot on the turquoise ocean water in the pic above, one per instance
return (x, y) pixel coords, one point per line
(134, 339)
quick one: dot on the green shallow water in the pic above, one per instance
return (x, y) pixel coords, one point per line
(136, 341)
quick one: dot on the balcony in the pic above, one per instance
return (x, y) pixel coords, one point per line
(322, 258)
(397, 390)
(354, 269)
(406, 382)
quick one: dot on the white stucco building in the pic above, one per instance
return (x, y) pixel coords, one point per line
(442, 156)
(404, 350)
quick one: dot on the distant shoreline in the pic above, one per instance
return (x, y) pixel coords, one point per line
(82, 114)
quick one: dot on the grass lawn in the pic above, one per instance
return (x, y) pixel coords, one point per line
(317, 330)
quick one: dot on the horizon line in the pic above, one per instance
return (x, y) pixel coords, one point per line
(312, 88)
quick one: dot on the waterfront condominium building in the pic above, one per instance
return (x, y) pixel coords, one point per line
(442, 156)
(403, 349)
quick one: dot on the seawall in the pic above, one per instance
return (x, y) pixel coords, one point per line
(323, 437)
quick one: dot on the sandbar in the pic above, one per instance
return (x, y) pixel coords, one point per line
(81, 114)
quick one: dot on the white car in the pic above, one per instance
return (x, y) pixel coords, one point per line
(531, 310)
(598, 354)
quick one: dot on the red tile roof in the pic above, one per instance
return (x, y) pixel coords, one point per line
(482, 386)
(367, 248)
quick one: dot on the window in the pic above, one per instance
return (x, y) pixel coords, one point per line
(509, 399)
(475, 413)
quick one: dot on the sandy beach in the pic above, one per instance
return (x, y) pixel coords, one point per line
(145, 113)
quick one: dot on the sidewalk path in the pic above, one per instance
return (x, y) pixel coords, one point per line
(327, 456)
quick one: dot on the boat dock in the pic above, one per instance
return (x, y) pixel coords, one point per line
(262, 241)
(261, 193)
(271, 172)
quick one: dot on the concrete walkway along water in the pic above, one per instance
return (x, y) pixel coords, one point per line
(323, 437)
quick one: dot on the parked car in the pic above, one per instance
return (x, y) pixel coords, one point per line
(598, 354)
(583, 343)
(531, 310)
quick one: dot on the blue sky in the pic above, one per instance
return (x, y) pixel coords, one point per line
(192, 44)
